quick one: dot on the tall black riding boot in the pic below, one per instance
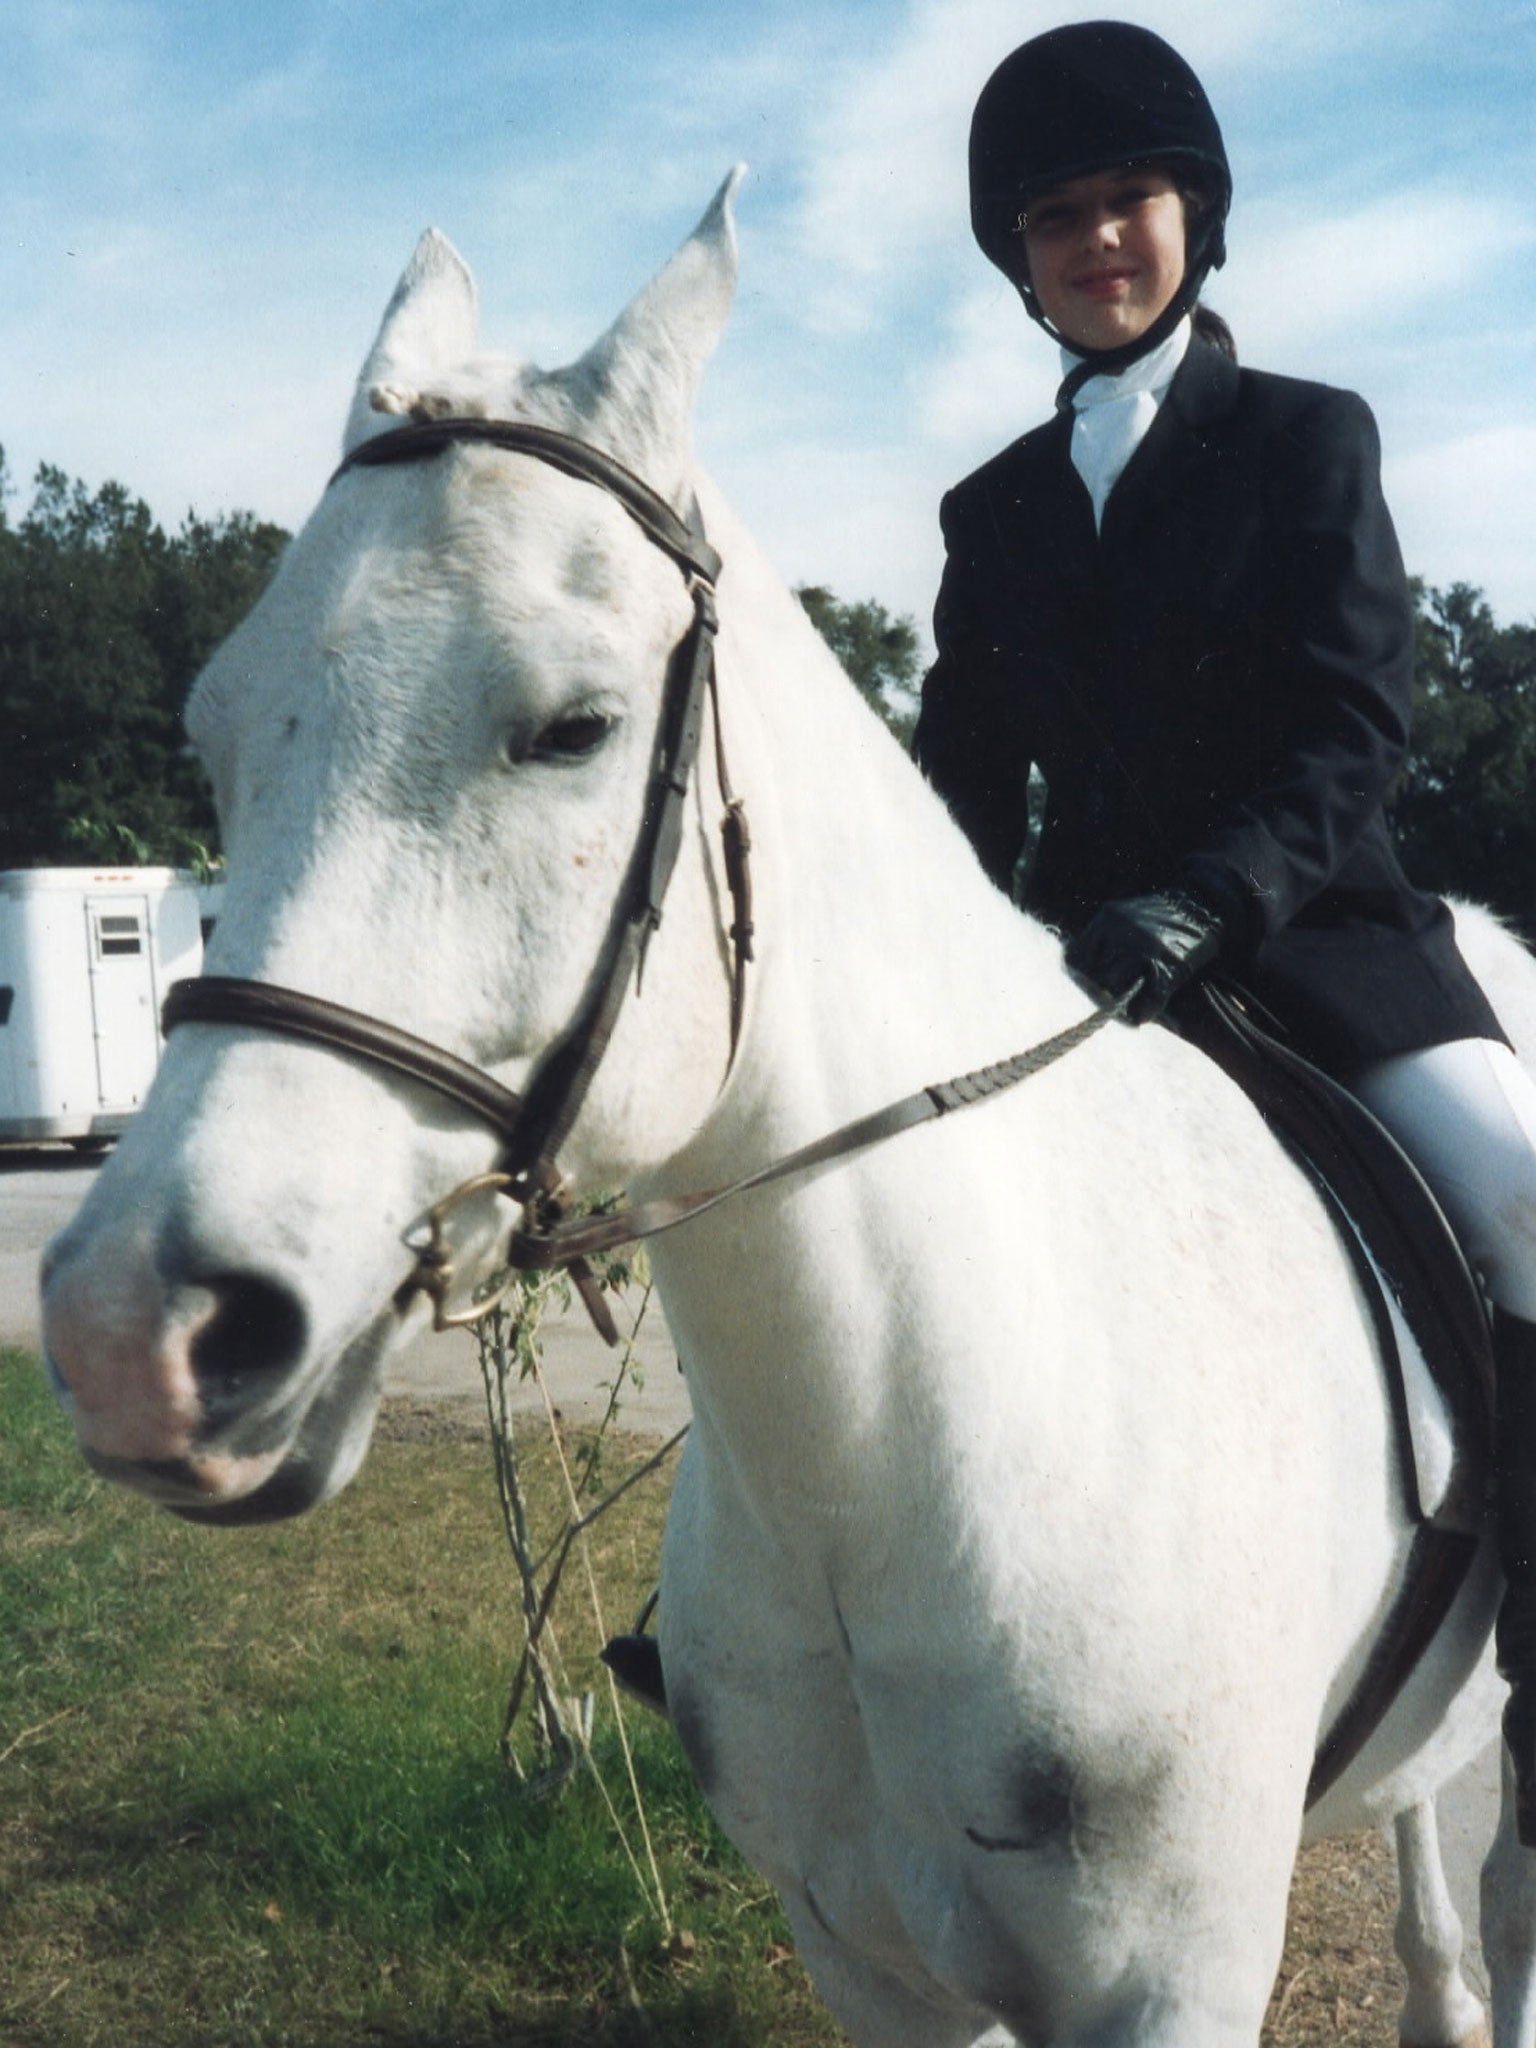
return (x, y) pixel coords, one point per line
(1514, 1457)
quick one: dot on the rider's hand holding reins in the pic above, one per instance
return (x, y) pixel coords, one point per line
(1154, 945)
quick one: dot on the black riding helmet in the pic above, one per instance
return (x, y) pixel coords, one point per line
(1084, 99)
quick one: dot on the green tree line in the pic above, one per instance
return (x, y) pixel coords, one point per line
(105, 618)
(1464, 807)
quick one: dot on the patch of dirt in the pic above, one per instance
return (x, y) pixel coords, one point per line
(1340, 1981)
(457, 1419)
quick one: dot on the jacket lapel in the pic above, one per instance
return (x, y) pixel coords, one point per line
(1165, 470)
(1040, 510)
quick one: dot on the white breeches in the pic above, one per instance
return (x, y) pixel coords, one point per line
(1466, 1116)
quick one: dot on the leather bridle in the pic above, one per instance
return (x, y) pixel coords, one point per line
(532, 1126)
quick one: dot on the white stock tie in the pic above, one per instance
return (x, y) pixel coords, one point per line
(1113, 413)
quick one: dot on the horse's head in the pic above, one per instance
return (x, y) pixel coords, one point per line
(431, 744)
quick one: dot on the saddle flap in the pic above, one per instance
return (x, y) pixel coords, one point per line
(1412, 1269)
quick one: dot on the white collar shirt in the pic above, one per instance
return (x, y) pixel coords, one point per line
(1111, 414)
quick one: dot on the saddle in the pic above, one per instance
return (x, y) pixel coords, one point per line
(1416, 1279)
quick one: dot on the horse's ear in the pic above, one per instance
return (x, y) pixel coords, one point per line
(429, 326)
(638, 382)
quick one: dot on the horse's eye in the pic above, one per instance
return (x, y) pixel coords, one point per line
(572, 739)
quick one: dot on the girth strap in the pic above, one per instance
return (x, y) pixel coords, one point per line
(1377, 1197)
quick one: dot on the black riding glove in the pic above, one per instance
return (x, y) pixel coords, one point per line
(1153, 944)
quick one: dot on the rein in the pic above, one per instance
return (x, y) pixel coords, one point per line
(576, 1237)
(532, 1126)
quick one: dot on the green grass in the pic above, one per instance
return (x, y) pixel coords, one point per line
(250, 1790)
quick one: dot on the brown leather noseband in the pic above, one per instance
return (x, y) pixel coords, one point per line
(532, 1127)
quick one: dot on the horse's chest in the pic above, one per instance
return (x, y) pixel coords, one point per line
(823, 1711)
(910, 1809)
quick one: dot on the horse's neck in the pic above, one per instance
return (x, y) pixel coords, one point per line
(888, 956)
(887, 962)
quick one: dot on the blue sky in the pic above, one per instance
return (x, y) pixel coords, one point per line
(208, 206)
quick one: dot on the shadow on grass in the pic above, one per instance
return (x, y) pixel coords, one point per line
(517, 1927)
(352, 1901)
(704, 2020)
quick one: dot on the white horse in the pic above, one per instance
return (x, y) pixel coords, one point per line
(1041, 1501)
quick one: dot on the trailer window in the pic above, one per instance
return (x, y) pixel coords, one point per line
(118, 935)
(7, 997)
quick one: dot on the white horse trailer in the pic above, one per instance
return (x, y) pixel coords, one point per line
(86, 956)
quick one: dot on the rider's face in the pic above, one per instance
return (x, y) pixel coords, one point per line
(1106, 254)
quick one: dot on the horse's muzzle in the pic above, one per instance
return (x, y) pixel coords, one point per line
(215, 1488)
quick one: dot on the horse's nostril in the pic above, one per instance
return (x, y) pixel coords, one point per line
(255, 1334)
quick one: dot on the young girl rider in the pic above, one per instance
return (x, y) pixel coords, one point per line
(1182, 601)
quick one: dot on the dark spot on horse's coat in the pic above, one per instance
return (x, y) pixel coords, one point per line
(692, 1726)
(1038, 1807)
(1055, 1804)
(291, 726)
(589, 576)
(1044, 1793)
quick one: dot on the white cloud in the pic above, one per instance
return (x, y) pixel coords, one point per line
(1305, 295)
(1298, 279)
(997, 376)
(234, 246)
(862, 520)
(87, 69)
(1464, 514)
(184, 424)
(887, 167)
